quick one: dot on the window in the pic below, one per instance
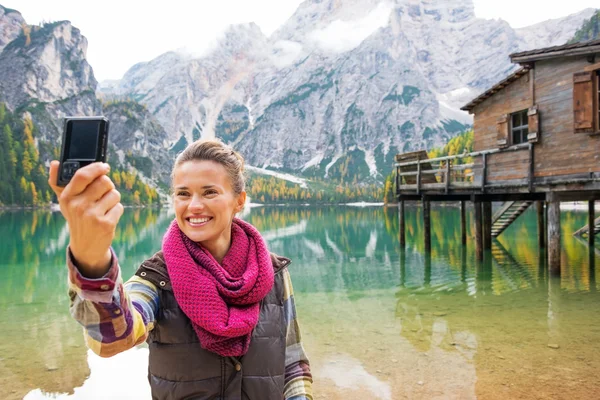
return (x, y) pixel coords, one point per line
(519, 127)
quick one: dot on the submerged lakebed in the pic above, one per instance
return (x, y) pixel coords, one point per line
(378, 322)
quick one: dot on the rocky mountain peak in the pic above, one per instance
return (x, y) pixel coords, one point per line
(11, 25)
(46, 63)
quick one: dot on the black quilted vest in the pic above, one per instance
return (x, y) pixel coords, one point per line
(180, 369)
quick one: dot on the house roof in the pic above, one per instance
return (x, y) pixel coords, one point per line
(526, 57)
(573, 49)
(500, 85)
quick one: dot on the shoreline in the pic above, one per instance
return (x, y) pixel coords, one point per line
(53, 207)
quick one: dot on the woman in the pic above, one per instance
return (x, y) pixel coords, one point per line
(216, 308)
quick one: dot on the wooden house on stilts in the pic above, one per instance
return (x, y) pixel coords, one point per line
(536, 141)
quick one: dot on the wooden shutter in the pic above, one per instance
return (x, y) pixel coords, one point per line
(502, 128)
(533, 122)
(583, 102)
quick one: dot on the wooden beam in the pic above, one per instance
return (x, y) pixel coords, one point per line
(540, 224)
(574, 196)
(591, 68)
(554, 248)
(402, 224)
(487, 225)
(591, 224)
(531, 167)
(484, 173)
(463, 223)
(532, 86)
(427, 224)
(478, 231)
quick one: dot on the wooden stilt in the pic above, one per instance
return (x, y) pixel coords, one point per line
(402, 223)
(463, 265)
(592, 263)
(463, 224)
(427, 224)
(546, 230)
(591, 215)
(540, 224)
(554, 237)
(427, 274)
(487, 225)
(478, 231)
(402, 267)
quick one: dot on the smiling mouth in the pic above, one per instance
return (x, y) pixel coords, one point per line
(198, 221)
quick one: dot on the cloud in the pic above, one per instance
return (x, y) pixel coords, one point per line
(341, 36)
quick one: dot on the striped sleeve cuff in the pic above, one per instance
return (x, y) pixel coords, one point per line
(299, 389)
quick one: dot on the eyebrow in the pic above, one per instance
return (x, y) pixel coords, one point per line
(186, 188)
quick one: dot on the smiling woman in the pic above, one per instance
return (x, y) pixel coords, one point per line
(215, 306)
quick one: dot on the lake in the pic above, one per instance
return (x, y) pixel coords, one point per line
(378, 322)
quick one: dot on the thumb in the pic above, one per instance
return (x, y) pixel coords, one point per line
(53, 178)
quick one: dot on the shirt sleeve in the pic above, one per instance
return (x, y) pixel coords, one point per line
(115, 316)
(298, 378)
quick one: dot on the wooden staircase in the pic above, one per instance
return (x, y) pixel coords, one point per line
(507, 214)
(585, 229)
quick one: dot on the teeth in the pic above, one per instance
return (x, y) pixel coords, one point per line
(198, 220)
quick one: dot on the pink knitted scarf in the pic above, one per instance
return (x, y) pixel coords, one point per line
(221, 300)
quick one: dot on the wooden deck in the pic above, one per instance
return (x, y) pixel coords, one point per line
(485, 173)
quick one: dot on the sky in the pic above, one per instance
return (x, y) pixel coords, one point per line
(122, 33)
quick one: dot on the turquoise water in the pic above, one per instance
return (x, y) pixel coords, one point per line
(378, 322)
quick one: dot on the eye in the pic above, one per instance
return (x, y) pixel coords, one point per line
(182, 193)
(211, 193)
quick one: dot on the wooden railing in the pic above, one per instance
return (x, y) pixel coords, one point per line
(463, 171)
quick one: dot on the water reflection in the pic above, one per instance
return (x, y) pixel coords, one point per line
(379, 322)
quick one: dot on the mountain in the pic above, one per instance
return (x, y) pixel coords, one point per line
(332, 95)
(11, 23)
(44, 76)
(341, 86)
(589, 31)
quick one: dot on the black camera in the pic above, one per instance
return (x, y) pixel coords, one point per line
(85, 140)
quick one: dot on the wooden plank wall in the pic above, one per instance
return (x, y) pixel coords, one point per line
(506, 166)
(513, 98)
(561, 151)
(512, 165)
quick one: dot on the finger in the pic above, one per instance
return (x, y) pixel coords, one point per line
(114, 214)
(53, 178)
(108, 201)
(97, 189)
(84, 177)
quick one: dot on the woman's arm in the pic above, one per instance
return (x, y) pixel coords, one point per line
(116, 316)
(298, 378)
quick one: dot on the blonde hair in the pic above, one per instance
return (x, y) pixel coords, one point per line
(217, 151)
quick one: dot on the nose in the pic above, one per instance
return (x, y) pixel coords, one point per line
(196, 204)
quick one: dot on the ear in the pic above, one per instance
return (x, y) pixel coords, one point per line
(241, 200)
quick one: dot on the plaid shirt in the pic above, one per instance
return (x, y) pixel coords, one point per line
(118, 316)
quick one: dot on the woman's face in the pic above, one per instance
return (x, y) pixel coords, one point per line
(205, 203)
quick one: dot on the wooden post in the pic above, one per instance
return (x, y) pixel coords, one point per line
(478, 231)
(463, 265)
(487, 225)
(463, 224)
(540, 224)
(402, 228)
(546, 230)
(427, 272)
(554, 237)
(427, 223)
(402, 267)
(591, 215)
(592, 269)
